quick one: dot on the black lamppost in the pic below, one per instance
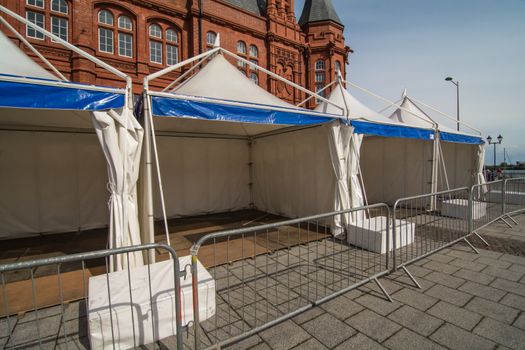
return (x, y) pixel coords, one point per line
(457, 94)
(489, 140)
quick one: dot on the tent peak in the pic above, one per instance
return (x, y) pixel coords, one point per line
(404, 94)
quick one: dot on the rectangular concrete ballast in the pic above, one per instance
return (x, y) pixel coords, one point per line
(458, 208)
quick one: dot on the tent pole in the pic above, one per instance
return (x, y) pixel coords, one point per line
(310, 97)
(435, 160)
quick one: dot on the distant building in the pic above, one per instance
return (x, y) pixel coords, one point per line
(141, 37)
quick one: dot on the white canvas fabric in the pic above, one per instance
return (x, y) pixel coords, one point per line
(480, 160)
(14, 61)
(120, 136)
(357, 197)
(412, 115)
(461, 163)
(339, 141)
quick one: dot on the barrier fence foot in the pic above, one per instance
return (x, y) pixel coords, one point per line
(506, 222)
(387, 296)
(412, 278)
(512, 219)
(471, 246)
(481, 238)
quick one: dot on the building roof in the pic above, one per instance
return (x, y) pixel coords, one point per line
(257, 7)
(319, 10)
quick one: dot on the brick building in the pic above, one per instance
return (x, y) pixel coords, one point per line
(140, 37)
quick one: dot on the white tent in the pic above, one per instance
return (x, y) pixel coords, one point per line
(66, 149)
(389, 159)
(225, 144)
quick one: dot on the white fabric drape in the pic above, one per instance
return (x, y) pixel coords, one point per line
(356, 190)
(339, 139)
(480, 177)
(120, 136)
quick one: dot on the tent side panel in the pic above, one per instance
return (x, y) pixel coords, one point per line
(202, 176)
(293, 173)
(460, 162)
(51, 183)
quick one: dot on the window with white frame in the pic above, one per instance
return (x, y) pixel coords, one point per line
(172, 46)
(38, 19)
(319, 65)
(59, 27)
(36, 3)
(254, 77)
(60, 6)
(125, 36)
(319, 91)
(210, 38)
(52, 15)
(105, 31)
(254, 51)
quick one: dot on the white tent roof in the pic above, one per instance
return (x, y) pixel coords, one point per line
(13, 61)
(219, 79)
(411, 114)
(357, 110)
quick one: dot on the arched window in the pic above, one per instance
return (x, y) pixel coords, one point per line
(155, 43)
(125, 36)
(254, 52)
(56, 13)
(319, 65)
(338, 67)
(210, 38)
(254, 77)
(241, 47)
(172, 46)
(105, 31)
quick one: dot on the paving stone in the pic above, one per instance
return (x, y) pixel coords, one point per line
(377, 304)
(308, 315)
(491, 309)
(6, 327)
(415, 320)
(503, 273)
(509, 286)
(448, 294)
(445, 279)
(373, 325)
(443, 258)
(520, 321)
(440, 267)
(246, 343)
(407, 340)
(493, 262)
(285, 335)
(361, 342)
(417, 271)
(501, 333)
(513, 259)
(328, 330)
(261, 346)
(27, 332)
(415, 299)
(517, 268)
(474, 276)
(342, 308)
(353, 294)
(406, 282)
(455, 315)
(463, 255)
(469, 265)
(514, 301)
(310, 344)
(459, 339)
(490, 253)
(480, 290)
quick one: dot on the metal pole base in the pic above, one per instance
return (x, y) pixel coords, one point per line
(387, 296)
(512, 219)
(471, 246)
(506, 222)
(481, 238)
(412, 278)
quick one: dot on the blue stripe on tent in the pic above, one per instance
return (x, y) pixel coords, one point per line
(361, 127)
(460, 138)
(171, 107)
(24, 95)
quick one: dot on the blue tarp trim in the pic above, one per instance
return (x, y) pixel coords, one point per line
(171, 107)
(460, 138)
(367, 128)
(24, 95)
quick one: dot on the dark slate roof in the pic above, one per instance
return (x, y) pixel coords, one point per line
(319, 10)
(257, 7)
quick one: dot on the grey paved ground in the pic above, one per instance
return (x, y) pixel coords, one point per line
(467, 301)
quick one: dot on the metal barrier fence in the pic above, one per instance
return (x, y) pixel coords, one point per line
(269, 273)
(45, 302)
(488, 201)
(424, 224)
(514, 196)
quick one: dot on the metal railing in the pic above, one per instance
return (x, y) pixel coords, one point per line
(514, 196)
(45, 302)
(425, 224)
(488, 201)
(269, 273)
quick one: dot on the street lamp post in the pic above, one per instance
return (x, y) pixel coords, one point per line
(489, 140)
(457, 96)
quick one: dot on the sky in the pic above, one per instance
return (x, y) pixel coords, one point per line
(415, 44)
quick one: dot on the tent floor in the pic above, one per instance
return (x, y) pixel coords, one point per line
(73, 278)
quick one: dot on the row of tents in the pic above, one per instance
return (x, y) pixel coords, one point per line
(215, 142)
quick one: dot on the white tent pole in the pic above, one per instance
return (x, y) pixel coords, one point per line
(156, 154)
(391, 103)
(347, 108)
(310, 97)
(64, 43)
(434, 174)
(446, 115)
(32, 48)
(179, 65)
(442, 158)
(276, 76)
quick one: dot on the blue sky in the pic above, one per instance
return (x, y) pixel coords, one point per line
(415, 44)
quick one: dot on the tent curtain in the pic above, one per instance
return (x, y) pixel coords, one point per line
(120, 136)
(339, 138)
(356, 190)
